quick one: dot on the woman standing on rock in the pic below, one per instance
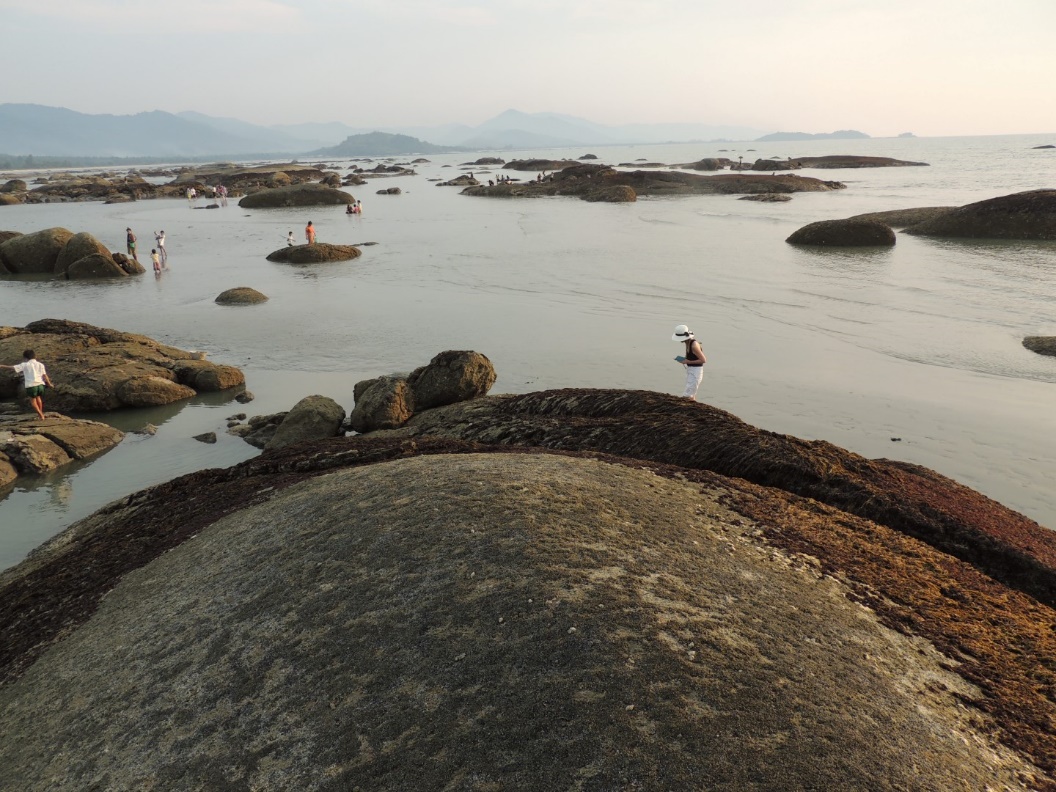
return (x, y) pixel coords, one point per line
(309, 233)
(693, 360)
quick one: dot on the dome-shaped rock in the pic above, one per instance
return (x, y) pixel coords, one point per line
(296, 195)
(79, 246)
(34, 253)
(241, 295)
(844, 233)
(314, 254)
(450, 377)
(1025, 215)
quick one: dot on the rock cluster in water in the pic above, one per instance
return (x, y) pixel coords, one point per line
(30, 446)
(63, 254)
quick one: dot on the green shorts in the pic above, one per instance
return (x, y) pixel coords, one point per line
(35, 390)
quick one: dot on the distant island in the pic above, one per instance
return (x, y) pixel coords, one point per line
(381, 144)
(840, 134)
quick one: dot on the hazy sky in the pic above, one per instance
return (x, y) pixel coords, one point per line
(933, 67)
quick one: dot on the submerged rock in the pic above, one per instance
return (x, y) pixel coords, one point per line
(1043, 345)
(844, 233)
(241, 295)
(318, 253)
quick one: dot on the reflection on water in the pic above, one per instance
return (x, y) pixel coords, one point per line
(919, 341)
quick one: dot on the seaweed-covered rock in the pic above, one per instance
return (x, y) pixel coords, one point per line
(844, 233)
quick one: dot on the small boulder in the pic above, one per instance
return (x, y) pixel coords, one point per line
(844, 233)
(206, 437)
(312, 418)
(79, 246)
(381, 403)
(241, 295)
(390, 191)
(130, 266)
(151, 392)
(452, 376)
(767, 197)
(245, 397)
(1043, 345)
(96, 265)
(14, 185)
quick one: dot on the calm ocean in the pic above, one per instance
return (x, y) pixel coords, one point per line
(920, 342)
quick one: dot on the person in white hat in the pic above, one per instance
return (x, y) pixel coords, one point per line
(693, 360)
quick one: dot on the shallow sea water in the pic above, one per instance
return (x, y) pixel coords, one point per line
(920, 342)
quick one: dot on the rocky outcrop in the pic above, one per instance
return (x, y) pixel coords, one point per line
(767, 197)
(687, 629)
(296, 195)
(450, 377)
(465, 180)
(1043, 345)
(705, 164)
(904, 218)
(390, 191)
(314, 254)
(30, 446)
(1027, 215)
(486, 161)
(538, 165)
(312, 418)
(589, 157)
(584, 180)
(854, 161)
(617, 193)
(97, 369)
(844, 233)
(13, 186)
(64, 254)
(241, 295)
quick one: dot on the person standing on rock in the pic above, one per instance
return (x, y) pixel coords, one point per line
(35, 378)
(130, 243)
(309, 233)
(693, 360)
(159, 238)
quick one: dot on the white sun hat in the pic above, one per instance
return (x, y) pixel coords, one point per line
(682, 333)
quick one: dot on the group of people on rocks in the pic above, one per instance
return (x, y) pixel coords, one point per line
(356, 207)
(159, 257)
(219, 193)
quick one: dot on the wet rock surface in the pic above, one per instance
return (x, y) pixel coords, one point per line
(30, 446)
(98, 369)
(844, 233)
(517, 587)
(1027, 215)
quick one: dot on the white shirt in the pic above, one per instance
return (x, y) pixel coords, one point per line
(32, 372)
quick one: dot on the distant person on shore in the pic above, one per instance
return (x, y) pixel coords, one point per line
(155, 259)
(35, 377)
(359, 207)
(222, 192)
(350, 209)
(159, 241)
(693, 360)
(289, 239)
(130, 243)
(192, 195)
(309, 233)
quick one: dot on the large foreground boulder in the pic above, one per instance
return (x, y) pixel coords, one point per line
(433, 615)
(96, 369)
(296, 195)
(35, 253)
(314, 254)
(381, 403)
(1027, 215)
(844, 233)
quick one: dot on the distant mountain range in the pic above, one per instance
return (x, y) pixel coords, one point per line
(839, 134)
(28, 129)
(381, 144)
